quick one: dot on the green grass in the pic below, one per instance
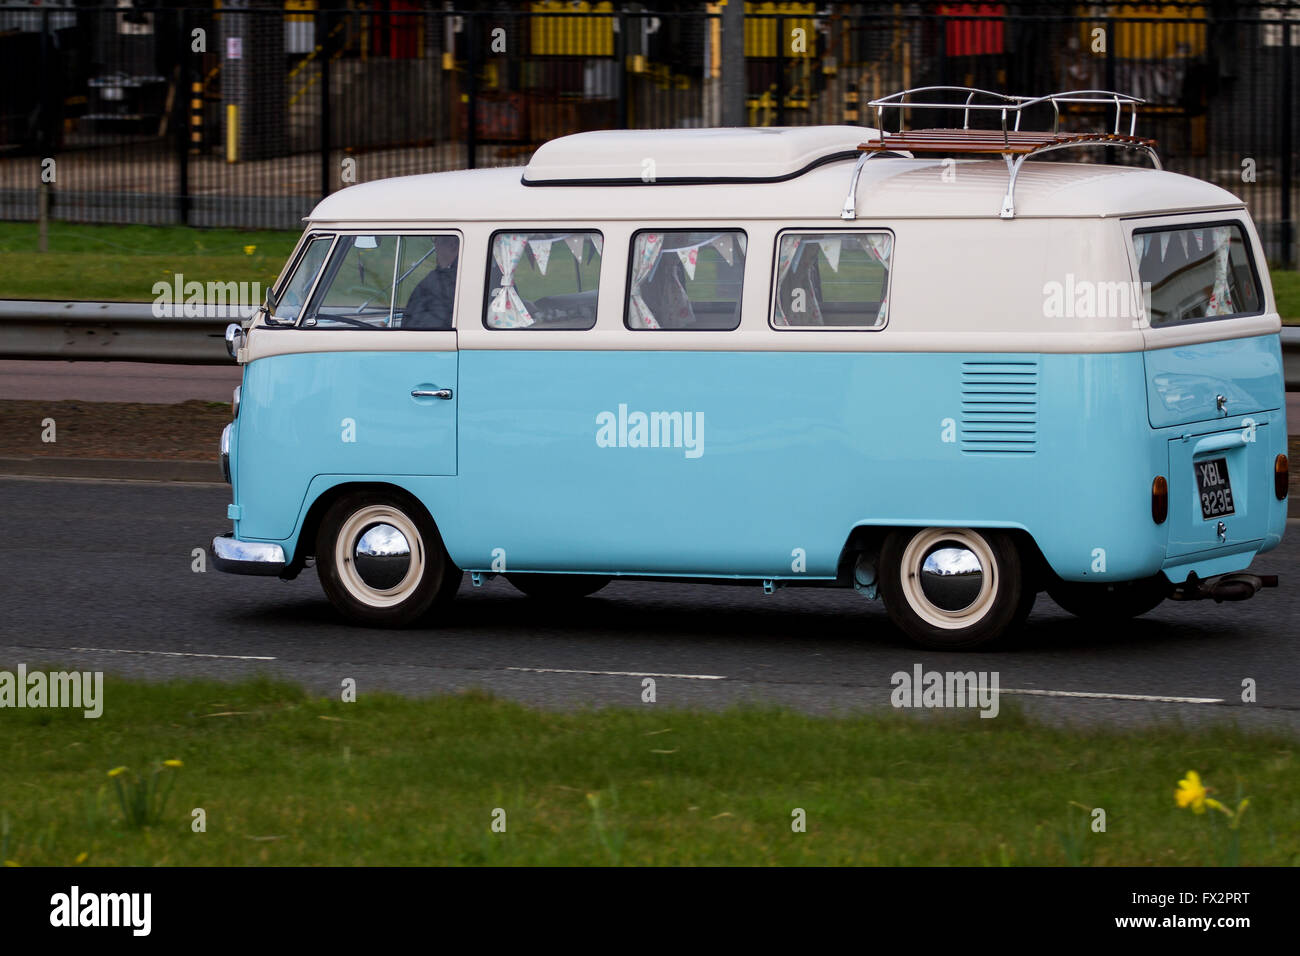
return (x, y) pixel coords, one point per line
(121, 263)
(1286, 289)
(285, 778)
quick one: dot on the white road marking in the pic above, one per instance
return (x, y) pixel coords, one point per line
(224, 657)
(561, 670)
(1095, 695)
(1023, 692)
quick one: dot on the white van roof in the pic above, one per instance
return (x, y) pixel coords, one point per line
(787, 174)
(637, 157)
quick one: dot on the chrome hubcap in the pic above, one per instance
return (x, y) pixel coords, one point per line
(951, 577)
(382, 556)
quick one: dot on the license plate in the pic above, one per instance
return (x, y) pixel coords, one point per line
(1213, 486)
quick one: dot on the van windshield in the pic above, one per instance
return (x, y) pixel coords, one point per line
(295, 290)
(1196, 273)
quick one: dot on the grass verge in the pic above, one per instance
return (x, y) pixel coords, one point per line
(1286, 289)
(285, 778)
(122, 263)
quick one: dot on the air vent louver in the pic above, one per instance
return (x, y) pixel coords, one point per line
(999, 408)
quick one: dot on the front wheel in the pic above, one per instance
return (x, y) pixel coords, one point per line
(381, 560)
(954, 588)
(1109, 601)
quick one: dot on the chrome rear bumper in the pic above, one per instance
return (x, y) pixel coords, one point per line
(233, 556)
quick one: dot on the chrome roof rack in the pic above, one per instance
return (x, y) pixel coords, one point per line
(1009, 141)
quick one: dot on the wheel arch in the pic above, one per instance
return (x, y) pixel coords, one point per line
(305, 543)
(869, 538)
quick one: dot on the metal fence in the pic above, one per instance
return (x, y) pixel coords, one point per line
(246, 115)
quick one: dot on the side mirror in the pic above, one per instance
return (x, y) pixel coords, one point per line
(234, 339)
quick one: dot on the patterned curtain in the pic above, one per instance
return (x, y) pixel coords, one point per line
(881, 246)
(786, 258)
(507, 310)
(1221, 296)
(645, 256)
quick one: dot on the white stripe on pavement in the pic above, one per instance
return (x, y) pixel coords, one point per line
(1094, 695)
(561, 670)
(1017, 691)
(224, 657)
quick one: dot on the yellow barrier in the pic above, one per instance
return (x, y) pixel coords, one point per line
(1170, 39)
(232, 133)
(302, 7)
(800, 38)
(571, 36)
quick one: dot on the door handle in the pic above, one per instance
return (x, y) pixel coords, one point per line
(1218, 443)
(443, 393)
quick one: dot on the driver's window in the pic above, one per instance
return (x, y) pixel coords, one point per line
(357, 288)
(295, 290)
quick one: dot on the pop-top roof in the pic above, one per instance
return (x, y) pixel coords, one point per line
(649, 157)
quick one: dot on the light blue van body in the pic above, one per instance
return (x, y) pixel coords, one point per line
(797, 449)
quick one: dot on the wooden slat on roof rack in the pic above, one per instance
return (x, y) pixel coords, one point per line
(1010, 142)
(1013, 142)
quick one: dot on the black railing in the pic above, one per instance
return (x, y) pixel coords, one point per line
(247, 115)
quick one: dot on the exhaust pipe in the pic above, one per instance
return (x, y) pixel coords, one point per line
(1237, 586)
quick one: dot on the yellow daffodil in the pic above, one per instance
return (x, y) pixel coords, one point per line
(172, 763)
(1191, 792)
(249, 250)
(82, 857)
(117, 771)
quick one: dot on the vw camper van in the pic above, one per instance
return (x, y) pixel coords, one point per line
(923, 364)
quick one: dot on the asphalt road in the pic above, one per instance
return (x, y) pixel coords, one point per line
(98, 575)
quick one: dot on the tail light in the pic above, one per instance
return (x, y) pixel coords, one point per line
(1281, 477)
(1159, 499)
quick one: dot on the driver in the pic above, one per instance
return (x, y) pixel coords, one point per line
(432, 301)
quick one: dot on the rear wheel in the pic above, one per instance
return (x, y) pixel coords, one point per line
(954, 588)
(1109, 601)
(558, 587)
(381, 560)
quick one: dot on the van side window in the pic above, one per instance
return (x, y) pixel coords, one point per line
(294, 295)
(686, 280)
(1197, 273)
(387, 281)
(543, 280)
(832, 280)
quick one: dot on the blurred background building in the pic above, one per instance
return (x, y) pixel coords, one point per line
(246, 112)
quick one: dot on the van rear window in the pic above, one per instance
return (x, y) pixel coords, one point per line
(832, 280)
(1196, 273)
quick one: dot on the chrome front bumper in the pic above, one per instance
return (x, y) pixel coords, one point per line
(233, 556)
